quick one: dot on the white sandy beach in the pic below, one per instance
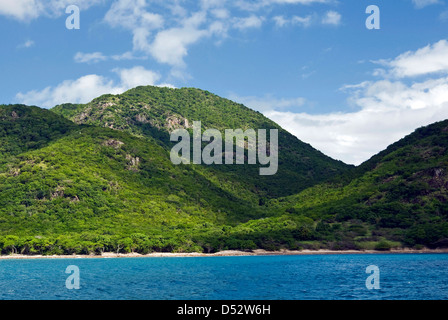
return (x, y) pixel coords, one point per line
(227, 253)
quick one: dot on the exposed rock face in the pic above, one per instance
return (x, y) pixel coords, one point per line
(133, 163)
(113, 143)
(438, 172)
(176, 122)
(58, 192)
(82, 116)
(94, 111)
(142, 118)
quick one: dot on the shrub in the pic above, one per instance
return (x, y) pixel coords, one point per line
(383, 245)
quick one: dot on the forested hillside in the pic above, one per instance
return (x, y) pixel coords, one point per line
(97, 177)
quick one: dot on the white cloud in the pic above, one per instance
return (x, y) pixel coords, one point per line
(221, 13)
(128, 55)
(131, 14)
(387, 110)
(329, 18)
(210, 4)
(304, 2)
(93, 57)
(304, 21)
(168, 36)
(27, 10)
(257, 5)
(428, 60)
(86, 88)
(332, 18)
(20, 9)
(57, 8)
(171, 46)
(137, 76)
(81, 90)
(268, 102)
(281, 21)
(423, 3)
(26, 44)
(248, 22)
(166, 41)
(165, 37)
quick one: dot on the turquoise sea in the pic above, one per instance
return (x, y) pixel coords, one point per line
(300, 277)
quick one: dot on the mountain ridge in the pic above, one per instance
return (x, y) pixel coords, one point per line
(106, 183)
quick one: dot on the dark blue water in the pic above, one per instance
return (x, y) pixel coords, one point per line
(334, 277)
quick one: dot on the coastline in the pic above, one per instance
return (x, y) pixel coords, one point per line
(226, 253)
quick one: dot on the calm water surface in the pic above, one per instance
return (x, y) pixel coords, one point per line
(334, 277)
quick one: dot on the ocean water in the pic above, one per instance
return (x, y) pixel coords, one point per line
(301, 277)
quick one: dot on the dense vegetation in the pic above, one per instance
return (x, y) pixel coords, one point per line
(97, 177)
(399, 195)
(154, 112)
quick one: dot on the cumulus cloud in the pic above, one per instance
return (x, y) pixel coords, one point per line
(170, 46)
(424, 61)
(137, 76)
(94, 57)
(20, 9)
(168, 35)
(80, 90)
(281, 21)
(304, 2)
(248, 22)
(131, 14)
(329, 18)
(166, 42)
(386, 110)
(268, 102)
(86, 88)
(27, 10)
(332, 18)
(257, 5)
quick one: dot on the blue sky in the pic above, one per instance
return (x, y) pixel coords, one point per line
(310, 65)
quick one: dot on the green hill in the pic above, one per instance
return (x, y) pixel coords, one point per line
(399, 195)
(24, 128)
(89, 186)
(98, 177)
(85, 183)
(155, 112)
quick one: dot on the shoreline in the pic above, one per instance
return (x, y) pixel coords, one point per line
(226, 253)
